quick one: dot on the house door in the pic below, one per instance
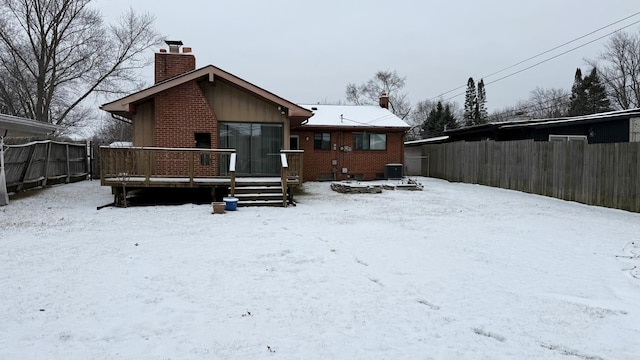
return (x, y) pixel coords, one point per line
(257, 146)
(294, 142)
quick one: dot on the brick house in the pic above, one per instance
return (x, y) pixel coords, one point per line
(350, 141)
(210, 109)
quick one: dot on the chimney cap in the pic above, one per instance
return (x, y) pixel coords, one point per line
(174, 42)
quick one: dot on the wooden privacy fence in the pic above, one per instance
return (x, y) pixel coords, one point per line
(598, 174)
(42, 163)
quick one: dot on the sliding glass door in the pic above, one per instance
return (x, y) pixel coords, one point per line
(257, 145)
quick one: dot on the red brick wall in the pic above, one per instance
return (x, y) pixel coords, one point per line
(168, 65)
(367, 164)
(180, 112)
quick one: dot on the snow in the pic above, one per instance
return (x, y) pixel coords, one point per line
(353, 116)
(456, 271)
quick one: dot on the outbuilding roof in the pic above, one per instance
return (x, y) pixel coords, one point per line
(432, 140)
(364, 116)
(10, 124)
(549, 122)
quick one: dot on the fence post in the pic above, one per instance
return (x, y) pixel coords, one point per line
(68, 166)
(46, 162)
(4, 195)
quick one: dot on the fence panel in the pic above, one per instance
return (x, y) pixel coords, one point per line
(598, 174)
(42, 163)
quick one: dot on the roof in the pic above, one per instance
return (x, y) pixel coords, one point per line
(433, 140)
(126, 106)
(121, 144)
(22, 125)
(549, 122)
(353, 116)
(606, 116)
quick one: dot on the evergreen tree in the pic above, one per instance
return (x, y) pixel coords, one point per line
(578, 95)
(481, 104)
(588, 95)
(470, 104)
(596, 100)
(440, 118)
(449, 119)
(431, 126)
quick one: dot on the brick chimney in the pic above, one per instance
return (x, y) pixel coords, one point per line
(384, 100)
(174, 62)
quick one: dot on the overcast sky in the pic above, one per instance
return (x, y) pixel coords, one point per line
(307, 51)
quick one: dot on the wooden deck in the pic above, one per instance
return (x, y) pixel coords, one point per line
(188, 183)
(131, 168)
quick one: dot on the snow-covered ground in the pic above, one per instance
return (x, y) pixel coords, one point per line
(456, 271)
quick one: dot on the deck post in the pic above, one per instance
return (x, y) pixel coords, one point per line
(191, 156)
(147, 167)
(232, 172)
(285, 176)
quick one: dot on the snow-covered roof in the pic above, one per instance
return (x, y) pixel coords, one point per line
(353, 116)
(522, 123)
(611, 115)
(426, 141)
(121, 144)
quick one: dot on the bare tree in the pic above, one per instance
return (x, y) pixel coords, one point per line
(519, 111)
(112, 130)
(388, 82)
(417, 117)
(547, 103)
(619, 69)
(54, 54)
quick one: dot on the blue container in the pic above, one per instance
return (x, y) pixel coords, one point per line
(231, 203)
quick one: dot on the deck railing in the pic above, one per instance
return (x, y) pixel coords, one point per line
(295, 164)
(143, 164)
(291, 161)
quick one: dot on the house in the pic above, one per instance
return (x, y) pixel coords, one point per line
(350, 141)
(609, 127)
(205, 127)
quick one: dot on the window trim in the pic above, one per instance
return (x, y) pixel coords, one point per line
(553, 137)
(366, 140)
(322, 140)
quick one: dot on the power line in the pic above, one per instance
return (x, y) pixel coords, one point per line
(546, 52)
(551, 58)
(557, 101)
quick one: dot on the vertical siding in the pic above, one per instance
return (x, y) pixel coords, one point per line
(144, 125)
(232, 104)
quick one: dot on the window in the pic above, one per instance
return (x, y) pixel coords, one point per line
(203, 141)
(567, 138)
(257, 146)
(369, 141)
(322, 141)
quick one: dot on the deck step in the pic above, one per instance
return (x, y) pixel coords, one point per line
(260, 203)
(242, 198)
(258, 189)
(253, 193)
